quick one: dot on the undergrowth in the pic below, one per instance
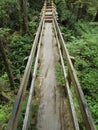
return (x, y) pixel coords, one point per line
(17, 47)
(83, 45)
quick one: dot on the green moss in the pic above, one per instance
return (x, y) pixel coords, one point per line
(60, 77)
(5, 114)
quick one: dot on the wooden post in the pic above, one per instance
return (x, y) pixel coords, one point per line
(72, 107)
(13, 122)
(30, 76)
(89, 123)
(69, 78)
(8, 70)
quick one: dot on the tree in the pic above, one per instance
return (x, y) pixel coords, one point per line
(78, 7)
(96, 17)
(23, 16)
(5, 59)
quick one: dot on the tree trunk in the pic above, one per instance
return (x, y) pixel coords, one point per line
(82, 11)
(96, 17)
(4, 57)
(23, 16)
(70, 4)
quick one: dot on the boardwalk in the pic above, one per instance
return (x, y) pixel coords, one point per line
(49, 46)
(49, 110)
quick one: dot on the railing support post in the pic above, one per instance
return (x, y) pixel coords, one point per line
(30, 77)
(69, 78)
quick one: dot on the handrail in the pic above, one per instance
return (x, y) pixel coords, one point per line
(29, 103)
(72, 107)
(13, 122)
(89, 124)
(86, 115)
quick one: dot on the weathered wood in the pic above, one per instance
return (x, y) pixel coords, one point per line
(43, 11)
(27, 114)
(13, 122)
(75, 121)
(30, 76)
(83, 105)
(69, 77)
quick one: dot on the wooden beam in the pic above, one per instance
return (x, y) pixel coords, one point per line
(72, 107)
(29, 104)
(82, 102)
(13, 122)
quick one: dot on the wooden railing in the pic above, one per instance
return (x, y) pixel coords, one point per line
(86, 115)
(13, 122)
(29, 103)
(70, 77)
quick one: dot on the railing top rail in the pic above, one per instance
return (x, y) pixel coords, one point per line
(82, 102)
(72, 106)
(12, 125)
(13, 122)
(29, 103)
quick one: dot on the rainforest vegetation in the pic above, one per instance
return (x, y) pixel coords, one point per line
(19, 19)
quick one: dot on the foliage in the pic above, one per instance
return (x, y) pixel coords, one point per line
(5, 114)
(67, 33)
(36, 5)
(33, 113)
(33, 26)
(18, 48)
(60, 77)
(22, 113)
(66, 17)
(4, 32)
(81, 39)
(85, 10)
(84, 49)
(8, 13)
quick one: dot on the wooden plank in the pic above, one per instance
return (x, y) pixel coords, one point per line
(75, 121)
(27, 114)
(13, 122)
(83, 105)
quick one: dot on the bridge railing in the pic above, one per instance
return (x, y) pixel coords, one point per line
(88, 121)
(13, 122)
(86, 115)
(26, 122)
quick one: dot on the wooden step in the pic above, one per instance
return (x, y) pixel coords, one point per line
(48, 17)
(48, 13)
(49, 7)
(48, 10)
(48, 20)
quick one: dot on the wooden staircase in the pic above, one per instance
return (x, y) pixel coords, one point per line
(48, 14)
